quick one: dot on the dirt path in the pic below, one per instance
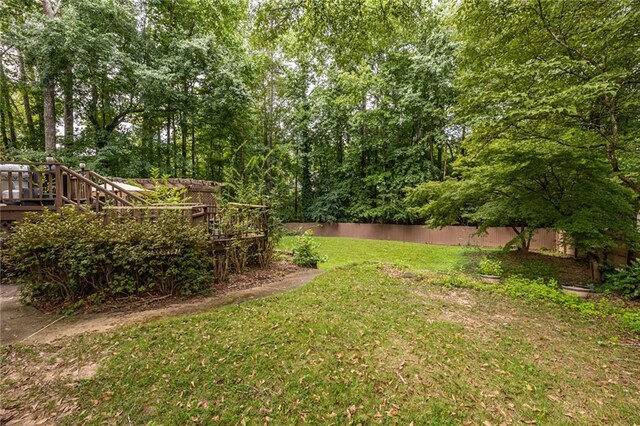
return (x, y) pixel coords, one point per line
(23, 323)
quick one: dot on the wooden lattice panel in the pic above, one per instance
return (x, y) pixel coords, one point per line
(5, 225)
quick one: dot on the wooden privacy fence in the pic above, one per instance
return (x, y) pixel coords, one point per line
(449, 235)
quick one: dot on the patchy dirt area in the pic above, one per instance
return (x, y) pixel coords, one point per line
(565, 269)
(24, 323)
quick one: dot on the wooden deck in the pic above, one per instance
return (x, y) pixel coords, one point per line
(33, 187)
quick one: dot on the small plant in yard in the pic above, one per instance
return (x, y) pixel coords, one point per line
(624, 281)
(305, 251)
(491, 267)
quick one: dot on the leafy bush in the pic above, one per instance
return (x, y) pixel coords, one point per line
(490, 267)
(163, 193)
(71, 255)
(305, 251)
(624, 281)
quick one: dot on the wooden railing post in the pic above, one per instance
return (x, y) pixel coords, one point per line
(57, 186)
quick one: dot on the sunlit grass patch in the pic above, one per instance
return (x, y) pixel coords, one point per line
(359, 345)
(345, 251)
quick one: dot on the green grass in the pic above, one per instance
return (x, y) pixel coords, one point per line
(345, 251)
(358, 345)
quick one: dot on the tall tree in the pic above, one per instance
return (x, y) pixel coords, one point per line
(49, 90)
(558, 70)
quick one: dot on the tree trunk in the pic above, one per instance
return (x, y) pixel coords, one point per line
(146, 138)
(175, 147)
(271, 100)
(12, 126)
(295, 186)
(183, 140)
(49, 97)
(613, 146)
(168, 163)
(47, 9)
(5, 100)
(306, 195)
(444, 163)
(3, 125)
(523, 240)
(49, 116)
(595, 263)
(193, 150)
(68, 104)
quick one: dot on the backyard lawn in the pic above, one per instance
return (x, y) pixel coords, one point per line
(359, 344)
(344, 251)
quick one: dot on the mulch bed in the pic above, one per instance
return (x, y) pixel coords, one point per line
(252, 278)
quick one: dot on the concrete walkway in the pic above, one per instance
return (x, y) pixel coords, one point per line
(27, 324)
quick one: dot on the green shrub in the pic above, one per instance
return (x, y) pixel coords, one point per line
(72, 255)
(305, 251)
(624, 281)
(631, 320)
(489, 266)
(162, 192)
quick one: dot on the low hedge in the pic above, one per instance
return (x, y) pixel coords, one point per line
(68, 256)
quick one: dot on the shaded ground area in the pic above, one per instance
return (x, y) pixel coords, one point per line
(360, 344)
(564, 269)
(18, 321)
(24, 323)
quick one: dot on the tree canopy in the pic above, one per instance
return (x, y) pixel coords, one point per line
(511, 113)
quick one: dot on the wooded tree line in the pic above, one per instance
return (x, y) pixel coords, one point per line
(497, 113)
(330, 110)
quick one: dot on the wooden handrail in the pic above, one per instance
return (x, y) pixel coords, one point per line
(32, 163)
(116, 185)
(155, 207)
(253, 206)
(94, 185)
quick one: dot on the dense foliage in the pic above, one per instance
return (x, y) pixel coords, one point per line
(71, 255)
(624, 280)
(548, 291)
(325, 111)
(510, 113)
(488, 266)
(550, 92)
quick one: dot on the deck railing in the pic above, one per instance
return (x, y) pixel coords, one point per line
(193, 212)
(234, 221)
(53, 185)
(36, 185)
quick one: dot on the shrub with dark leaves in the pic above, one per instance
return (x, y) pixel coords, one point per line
(72, 255)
